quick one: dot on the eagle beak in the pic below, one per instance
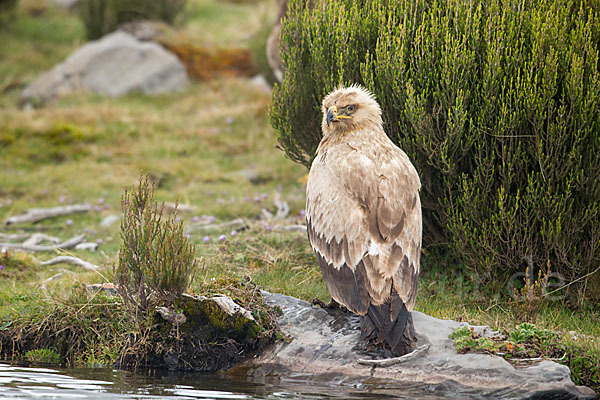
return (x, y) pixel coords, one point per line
(332, 115)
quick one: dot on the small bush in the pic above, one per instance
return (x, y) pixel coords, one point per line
(206, 63)
(527, 301)
(104, 16)
(155, 259)
(497, 105)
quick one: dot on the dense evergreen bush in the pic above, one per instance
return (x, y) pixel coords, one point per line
(104, 16)
(497, 104)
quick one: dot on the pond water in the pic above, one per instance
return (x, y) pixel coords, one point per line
(21, 382)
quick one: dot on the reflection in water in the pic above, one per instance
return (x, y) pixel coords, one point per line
(17, 382)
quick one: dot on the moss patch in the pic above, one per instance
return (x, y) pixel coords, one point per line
(17, 265)
(209, 339)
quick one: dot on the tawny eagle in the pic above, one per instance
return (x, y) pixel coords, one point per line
(363, 215)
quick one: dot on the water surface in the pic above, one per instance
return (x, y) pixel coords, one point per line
(23, 382)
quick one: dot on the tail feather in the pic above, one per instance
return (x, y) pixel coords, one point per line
(390, 324)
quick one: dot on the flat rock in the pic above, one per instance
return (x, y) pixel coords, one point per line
(323, 351)
(114, 65)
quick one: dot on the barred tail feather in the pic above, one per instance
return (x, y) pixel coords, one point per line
(390, 324)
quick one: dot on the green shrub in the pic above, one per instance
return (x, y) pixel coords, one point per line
(45, 356)
(104, 16)
(155, 259)
(496, 103)
(528, 341)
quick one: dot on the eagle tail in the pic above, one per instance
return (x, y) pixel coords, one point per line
(390, 324)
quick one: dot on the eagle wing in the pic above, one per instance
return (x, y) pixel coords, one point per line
(364, 223)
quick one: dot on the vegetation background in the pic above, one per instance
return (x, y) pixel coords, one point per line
(211, 147)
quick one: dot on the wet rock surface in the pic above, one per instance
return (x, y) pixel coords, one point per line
(324, 350)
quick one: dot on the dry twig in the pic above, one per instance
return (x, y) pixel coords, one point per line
(237, 224)
(68, 244)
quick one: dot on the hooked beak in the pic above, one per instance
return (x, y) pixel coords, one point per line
(332, 115)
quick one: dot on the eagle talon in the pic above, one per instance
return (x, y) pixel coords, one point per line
(332, 305)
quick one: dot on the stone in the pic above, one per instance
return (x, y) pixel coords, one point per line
(171, 315)
(261, 83)
(66, 4)
(107, 288)
(323, 350)
(114, 65)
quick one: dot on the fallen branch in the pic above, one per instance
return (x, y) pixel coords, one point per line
(74, 241)
(396, 360)
(14, 236)
(283, 209)
(237, 224)
(37, 238)
(87, 246)
(171, 207)
(71, 260)
(38, 214)
(53, 277)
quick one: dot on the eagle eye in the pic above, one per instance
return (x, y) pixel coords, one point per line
(350, 108)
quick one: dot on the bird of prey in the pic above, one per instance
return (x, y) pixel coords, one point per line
(363, 216)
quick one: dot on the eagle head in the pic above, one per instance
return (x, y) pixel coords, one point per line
(349, 108)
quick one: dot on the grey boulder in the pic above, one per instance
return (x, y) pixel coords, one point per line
(323, 351)
(114, 65)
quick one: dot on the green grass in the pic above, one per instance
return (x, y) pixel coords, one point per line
(226, 23)
(201, 147)
(31, 45)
